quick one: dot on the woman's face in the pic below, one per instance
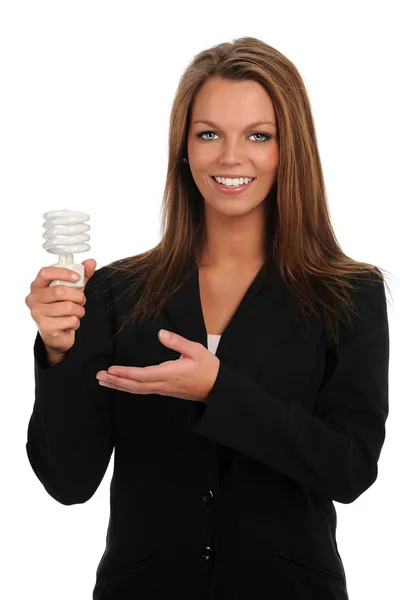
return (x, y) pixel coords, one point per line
(232, 145)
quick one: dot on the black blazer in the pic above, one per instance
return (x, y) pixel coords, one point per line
(229, 499)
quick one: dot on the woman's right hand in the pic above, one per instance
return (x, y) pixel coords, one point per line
(57, 310)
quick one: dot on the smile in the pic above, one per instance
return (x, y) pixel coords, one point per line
(228, 189)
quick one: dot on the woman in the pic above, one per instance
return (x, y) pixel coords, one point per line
(233, 438)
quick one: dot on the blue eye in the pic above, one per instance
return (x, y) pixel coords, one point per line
(265, 135)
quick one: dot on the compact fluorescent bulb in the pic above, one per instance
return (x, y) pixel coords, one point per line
(65, 235)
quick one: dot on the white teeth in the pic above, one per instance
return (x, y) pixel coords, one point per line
(233, 182)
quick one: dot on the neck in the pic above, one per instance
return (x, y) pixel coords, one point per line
(235, 243)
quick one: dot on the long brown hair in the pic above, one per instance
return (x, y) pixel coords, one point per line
(301, 240)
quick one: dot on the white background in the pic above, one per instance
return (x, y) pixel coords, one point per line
(85, 100)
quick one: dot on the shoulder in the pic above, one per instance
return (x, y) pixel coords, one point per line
(368, 303)
(100, 279)
(112, 286)
(368, 290)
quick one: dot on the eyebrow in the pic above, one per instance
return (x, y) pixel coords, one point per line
(248, 126)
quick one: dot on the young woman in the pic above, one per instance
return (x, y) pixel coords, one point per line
(232, 438)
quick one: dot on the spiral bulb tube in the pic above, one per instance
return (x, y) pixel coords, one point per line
(65, 235)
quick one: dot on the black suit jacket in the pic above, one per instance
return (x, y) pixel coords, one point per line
(231, 498)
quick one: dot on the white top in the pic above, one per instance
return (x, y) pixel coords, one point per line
(212, 342)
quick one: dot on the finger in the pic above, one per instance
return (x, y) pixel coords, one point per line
(47, 274)
(128, 385)
(149, 374)
(62, 294)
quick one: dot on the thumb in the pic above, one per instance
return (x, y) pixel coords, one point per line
(90, 266)
(177, 342)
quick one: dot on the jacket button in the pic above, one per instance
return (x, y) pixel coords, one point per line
(207, 553)
(207, 497)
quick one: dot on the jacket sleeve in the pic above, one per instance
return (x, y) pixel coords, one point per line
(70, 431)
(334, 451)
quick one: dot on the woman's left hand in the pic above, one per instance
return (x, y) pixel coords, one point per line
(191, 377)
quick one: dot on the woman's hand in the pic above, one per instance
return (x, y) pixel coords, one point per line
(191, 377)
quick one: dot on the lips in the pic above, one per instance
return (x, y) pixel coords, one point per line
(232, 190)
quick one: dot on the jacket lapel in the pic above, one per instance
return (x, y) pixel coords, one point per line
(262, 319)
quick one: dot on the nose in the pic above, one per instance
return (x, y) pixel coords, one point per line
(232, 153)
